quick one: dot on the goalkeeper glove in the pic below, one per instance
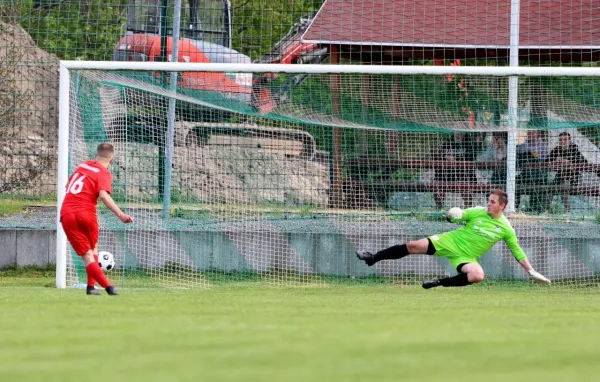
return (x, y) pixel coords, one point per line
(538, 277)
(454, 213)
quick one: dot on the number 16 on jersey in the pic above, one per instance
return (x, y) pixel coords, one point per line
(76, 184)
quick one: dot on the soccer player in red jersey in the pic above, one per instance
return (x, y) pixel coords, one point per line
(90, 180)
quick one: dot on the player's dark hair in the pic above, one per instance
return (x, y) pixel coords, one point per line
(105, 150)
(502, 196)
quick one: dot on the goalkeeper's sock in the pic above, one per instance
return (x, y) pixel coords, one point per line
(459, 280)
(91, 282)
(392, 253)
(93, 271)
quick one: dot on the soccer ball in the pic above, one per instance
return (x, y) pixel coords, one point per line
(106, 260)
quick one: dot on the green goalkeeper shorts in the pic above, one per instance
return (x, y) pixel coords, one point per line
(443, 248)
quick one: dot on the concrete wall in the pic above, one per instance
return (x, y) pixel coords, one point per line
(27, 247)
(309, 253)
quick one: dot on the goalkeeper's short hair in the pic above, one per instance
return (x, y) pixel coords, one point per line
(502, 196)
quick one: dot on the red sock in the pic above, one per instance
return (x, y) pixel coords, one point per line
(93, 271)
(91, 281)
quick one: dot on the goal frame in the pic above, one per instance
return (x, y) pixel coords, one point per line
(66, 67)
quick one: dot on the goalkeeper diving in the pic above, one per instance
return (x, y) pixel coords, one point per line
(463, 246)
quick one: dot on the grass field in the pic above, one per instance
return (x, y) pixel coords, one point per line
(329, 333)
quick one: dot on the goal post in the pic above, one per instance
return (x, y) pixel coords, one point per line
(63, 172)
(281, 172)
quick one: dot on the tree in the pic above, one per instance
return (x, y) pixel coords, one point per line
(75, 29)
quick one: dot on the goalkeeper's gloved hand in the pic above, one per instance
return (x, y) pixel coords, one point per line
(538, 277)
(454, 213)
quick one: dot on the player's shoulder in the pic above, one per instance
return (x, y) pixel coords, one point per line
(94, 167)
(506, 222)
(90, 165)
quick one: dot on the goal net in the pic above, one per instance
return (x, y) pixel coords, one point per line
(257, 177)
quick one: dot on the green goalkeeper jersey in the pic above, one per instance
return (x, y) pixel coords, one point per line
(479, 234)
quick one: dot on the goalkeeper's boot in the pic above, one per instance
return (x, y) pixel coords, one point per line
(366, 256)
(90, 290)
(112, 291)
(428, 284)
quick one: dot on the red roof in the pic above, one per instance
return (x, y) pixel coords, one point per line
(544, 24)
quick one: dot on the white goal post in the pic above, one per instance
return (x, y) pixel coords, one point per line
(331, 69)
(67, 119)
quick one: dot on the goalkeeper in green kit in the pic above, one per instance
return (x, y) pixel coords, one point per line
(462, 247)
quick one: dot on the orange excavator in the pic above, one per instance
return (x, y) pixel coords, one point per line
(206, 36)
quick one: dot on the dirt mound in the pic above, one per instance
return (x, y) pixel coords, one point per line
(223, 175)
(29, 83)
(28, 167)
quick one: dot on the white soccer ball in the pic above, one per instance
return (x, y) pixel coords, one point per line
(455, 213)
(106, 260)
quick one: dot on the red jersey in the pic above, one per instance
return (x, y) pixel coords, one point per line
(84, 186)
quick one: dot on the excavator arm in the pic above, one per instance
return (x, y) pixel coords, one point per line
(289, 50)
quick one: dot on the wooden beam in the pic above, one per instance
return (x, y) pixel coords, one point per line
(336, 198)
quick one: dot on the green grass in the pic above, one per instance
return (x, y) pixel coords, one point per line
(29, 276)
(328, 333)
(10, 207)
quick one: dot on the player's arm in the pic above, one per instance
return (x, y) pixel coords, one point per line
(111, 205)
(513, 244)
